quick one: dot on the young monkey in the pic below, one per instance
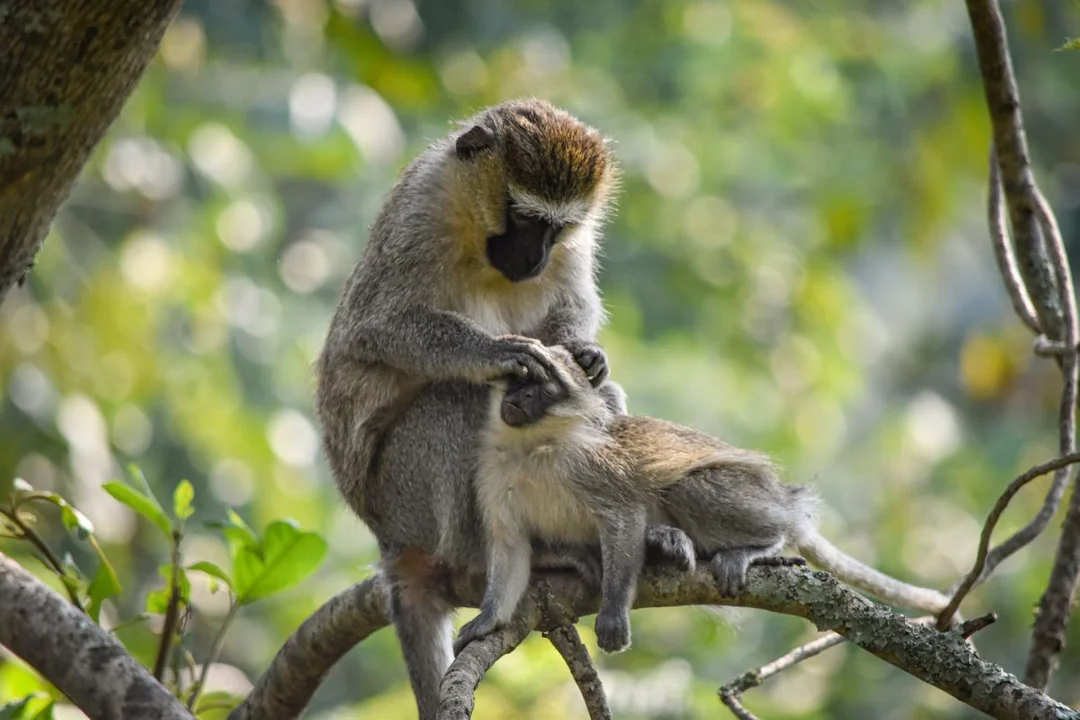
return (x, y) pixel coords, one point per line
(557, 464)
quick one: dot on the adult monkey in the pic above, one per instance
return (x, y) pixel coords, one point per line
(483, 253)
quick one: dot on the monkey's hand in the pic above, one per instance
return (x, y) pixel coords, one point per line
(523, 357)
(665, 545)
(476, 628)
(591, 358)
(612, 631)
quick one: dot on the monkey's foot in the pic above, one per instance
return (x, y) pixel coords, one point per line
(591, 358)
(478, 627)
(780, 561)
(612, 631)
(665, 545)
(729, 570)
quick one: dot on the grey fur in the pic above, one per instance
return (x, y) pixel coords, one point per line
(425, 320)
(558, 464)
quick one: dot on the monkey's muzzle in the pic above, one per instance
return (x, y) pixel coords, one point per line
(513, 415)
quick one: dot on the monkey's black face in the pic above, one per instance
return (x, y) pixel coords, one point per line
(523, 251)
(526, 401)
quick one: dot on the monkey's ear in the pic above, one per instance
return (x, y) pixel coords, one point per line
(473, 141)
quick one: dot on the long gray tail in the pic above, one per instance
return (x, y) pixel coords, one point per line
(817, 549)
(822, 553)
(422, 622)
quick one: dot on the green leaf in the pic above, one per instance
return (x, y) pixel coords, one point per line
(283, 559)
(238, 522)
(182, 499)
(1070, 44)
(104, 585)
(75, 521)
(35, 706)
(145, 505)
(219, 701)
(214, 571)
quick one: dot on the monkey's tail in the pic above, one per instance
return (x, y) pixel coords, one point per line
(817, 549)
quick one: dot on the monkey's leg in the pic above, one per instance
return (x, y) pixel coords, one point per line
(666, 545)
(622, 545)
(729, 566)
(422, 622)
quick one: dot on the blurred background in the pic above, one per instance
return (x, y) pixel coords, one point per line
(800, 263)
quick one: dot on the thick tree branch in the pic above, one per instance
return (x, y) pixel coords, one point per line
(567, 641)
(66, 68)
(941, 659)
(302, 663)
(72, 652)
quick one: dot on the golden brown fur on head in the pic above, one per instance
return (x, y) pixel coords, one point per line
(545, 161)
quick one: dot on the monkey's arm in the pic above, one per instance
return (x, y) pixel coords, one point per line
(507, 579)
(440, 345)
(573, 322)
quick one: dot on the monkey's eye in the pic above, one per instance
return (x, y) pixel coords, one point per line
(549, 389)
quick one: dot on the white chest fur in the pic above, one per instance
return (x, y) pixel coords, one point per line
(518, 309)
(528, 490)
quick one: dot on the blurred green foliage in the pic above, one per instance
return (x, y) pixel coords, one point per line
(799, 264)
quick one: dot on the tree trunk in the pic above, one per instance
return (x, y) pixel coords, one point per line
(66, 68)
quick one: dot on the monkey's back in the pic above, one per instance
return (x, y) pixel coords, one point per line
(722, 496)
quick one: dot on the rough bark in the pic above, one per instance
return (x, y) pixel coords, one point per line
(66, 68)
(942, 659)
(86, 663)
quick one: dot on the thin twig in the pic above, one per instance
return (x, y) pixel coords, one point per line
(172, 611)
(974, 625)
(731, 692)
(51, 560)
(1003, 250)
(215, 649)
(566, 640)
(977, 570)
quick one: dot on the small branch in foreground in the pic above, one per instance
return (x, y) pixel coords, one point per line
(977, 571)
(731, 692)
(566, 640)
(974, 625)
(85, 662)
(458, 688)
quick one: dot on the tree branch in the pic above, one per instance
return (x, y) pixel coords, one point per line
(731, 692)
(567, 641)
(68, 66)
(458, 685)
(941, 659)
(1010, 143)
(1044, 267)
(72, 652)
(981, 567)
(300, 666)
